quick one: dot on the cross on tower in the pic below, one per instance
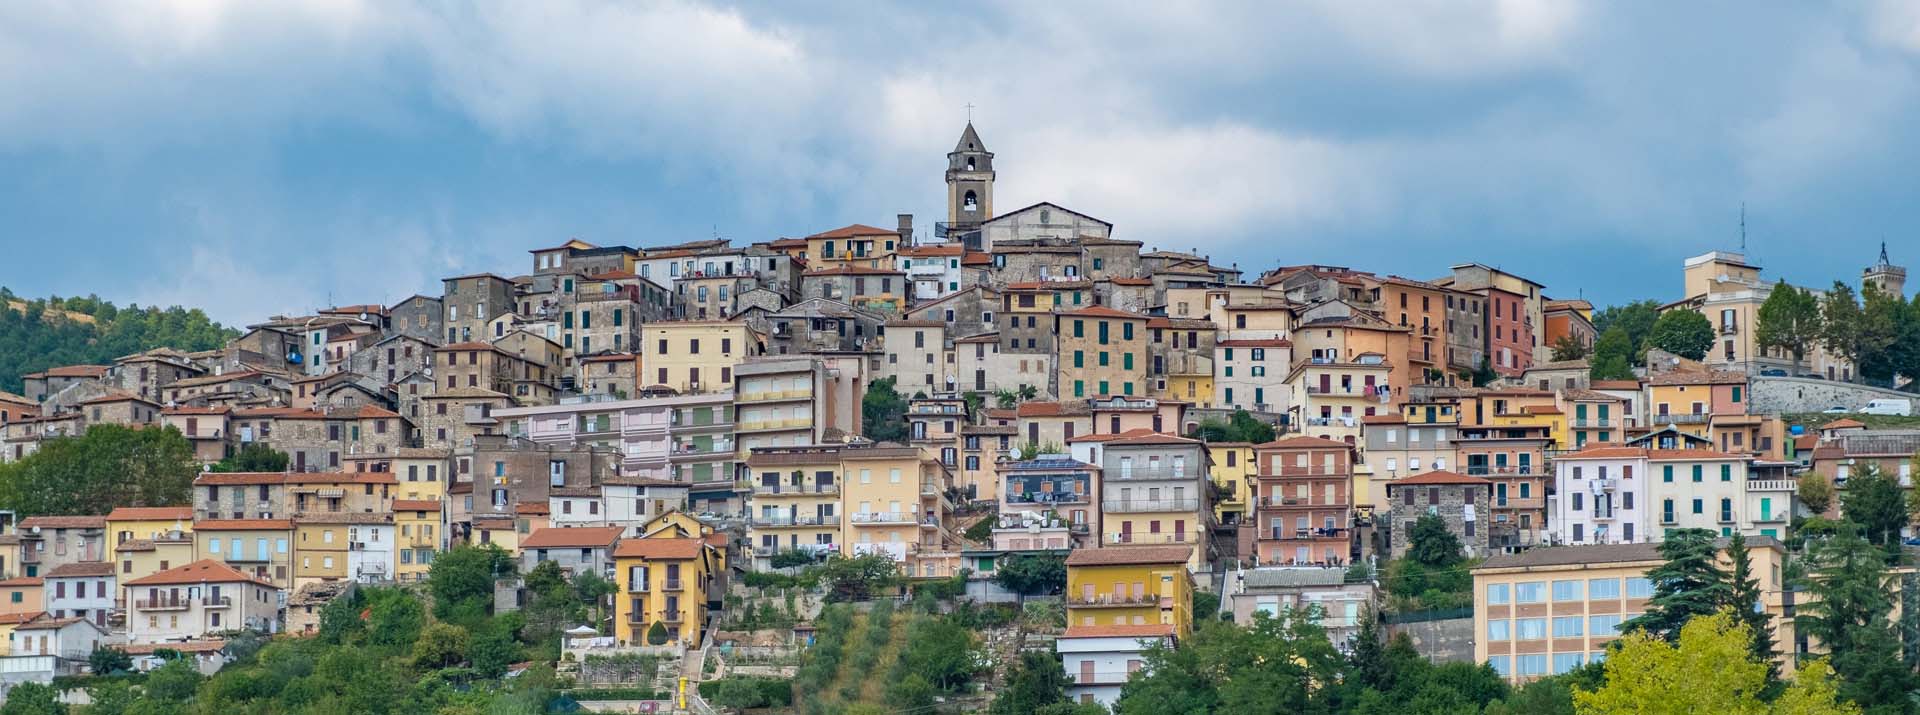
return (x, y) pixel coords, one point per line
(969, 112)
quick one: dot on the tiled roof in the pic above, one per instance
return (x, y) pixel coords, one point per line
(367, 412)
(341, 478)
(112, 397)
(202, 571)
(1393, 419)
(151, 513)
(416, 505)
(19, 581)
(1707, 377)
(241, 478)
(74, 371)
(532, 508)
(574, 538)
(64, 522)
(243, 525)
(855, 231)
(1438, 476)
(1844, 423)
(14, 619)
(215, 410)
(1128, 555)
(206, 646)
(1049, 409)
(1302, 442)
(1148, 630)
(1605, 451)
(81, 569)
(1670, 455)
(658, 548)
(1615, 384)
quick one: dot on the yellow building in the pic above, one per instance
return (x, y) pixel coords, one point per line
(680, 525)
(265, 547)
(140, 558)
(661, 580)
(1592, 418)
(856, 245)
(694, 355)
(22, 594)
(1102, 352)
(1547, 611)
(128, 523)
(418, 472)
(8, 621)
(422, 534)
(323, 544)
(1131, 585)
(1233, 473)
(796, 501)
(1518, 407)
(1330, 397)
(1195, 388)
(855, 500)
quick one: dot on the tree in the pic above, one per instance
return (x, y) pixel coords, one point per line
(1688, 585)
(109, 696)
(883, 412)
(1888, 337)
(493, 650)
(941, 650)
(174, 682)
(1241, 426)
(593, 590)
(1430, 543)
(42, 333)
(252, 457)
(1569, 347)
(441, 645)
(1840, 322)
(980, 531)
(791, 558)
(465, 575)
(857, 578)
(1789, 320)
(1709, 668)
(1744, 600)
(1851, 614)
(1006, 399)
(738, 694)
(1613, 356)
(1035, 681)
(1682, 332)
(1634, 321)
(108, 466)
(975, 401)
(395, 618)
(1267, 667)
(1815, 492)
(1481, 376)
(657, 634)
(107, 660)
(30, 698)
(1032, 575)
(546, 578)
(1873, 500)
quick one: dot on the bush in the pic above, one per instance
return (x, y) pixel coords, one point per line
(657, 634)
(770, 692)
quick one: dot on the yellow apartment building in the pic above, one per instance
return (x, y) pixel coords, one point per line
(1232, 470)
(1330, 398)
(855, 245)
(323, 542)
(1195, 388)
(1517, 407)
(139, 558)
(896, 503)
(1130, 585)
(661, 580)
(1592, 418)
(1549, 610)
(265, 547)
(1102, 352)
(421, 533)
(694, 355)
(796, 501)
(128, 523)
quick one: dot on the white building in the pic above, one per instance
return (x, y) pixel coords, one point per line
(203, 597)
(1100, 659)
(575, 506)
(370, 552)
(934, 270)
(1251, 374)
(631, 502)
(1614, 495)
(84, 590)
(1600, 497)
(45, 648)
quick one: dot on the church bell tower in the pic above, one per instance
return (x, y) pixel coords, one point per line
(969, 183)
(1884, 275)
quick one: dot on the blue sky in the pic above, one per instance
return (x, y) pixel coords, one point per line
(250, 159)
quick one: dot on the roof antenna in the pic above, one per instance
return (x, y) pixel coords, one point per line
(1743, 227)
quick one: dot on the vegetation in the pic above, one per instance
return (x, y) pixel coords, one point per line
(1685, 333)
(1434, 574)
(1242, 426)
(858, 578)
(1708, 668)
(252, 457)
(1815, 492)
(883, 412)
(1569, 347)
(1037, 685)
(110, 466)
(1850, 613)
(1032, 575)
(1689, 584)
(1873, 499)
(53, 332)
(1790, 321)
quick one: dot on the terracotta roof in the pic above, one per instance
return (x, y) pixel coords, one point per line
(64, 522)
(242, 478)
(1843, 423)
(14, 619)
(1438, 476)
(1260, 343)
(1708, 377)
(202, 571)
(215, 410)
(949, 249)
(151, 513)
(1049, 409)
(243, 525)
(23, 581)
(577, 537)
(1393, 419)
(1605, 451)
(368, 412)
(117, 397)
(1579, 395)
(81, 569)
(658, 548)
(855, 231)
(53, 623)
(976, 258)
(1127, 555)
(206, 646)
(341, 478)
(1669, 455)
(1148, 630)
(416, 505)
(1540, 410)
(1101, 311)
(532, 508)
(1615, 384)
(1806, 441)
(1302, 441)
(74, 371)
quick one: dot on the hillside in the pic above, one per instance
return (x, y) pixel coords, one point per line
(39, 333)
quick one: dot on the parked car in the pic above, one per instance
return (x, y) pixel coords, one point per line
(1836, 410)
(1889, 406)
(1773, 372)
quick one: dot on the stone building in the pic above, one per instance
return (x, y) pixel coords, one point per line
(420, 317)
(1102, 352)
(473, 301)
(1457, 499)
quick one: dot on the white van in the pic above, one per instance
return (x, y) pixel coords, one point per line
(1902, 408)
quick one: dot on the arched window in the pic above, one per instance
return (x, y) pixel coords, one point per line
(969, 165)
(971, 202)
(1045, 216)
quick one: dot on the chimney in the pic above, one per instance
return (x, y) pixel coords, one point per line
(906, 229)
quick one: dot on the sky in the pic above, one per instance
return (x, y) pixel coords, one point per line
(256, 158)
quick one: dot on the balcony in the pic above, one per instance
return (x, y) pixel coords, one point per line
(883, 517)
(1681, 419)
(1149, 474)
(1774, 517)
(1282, 533)
(1605, 515)
(206, 434)
(1046, 498)
(1113, 600)
(1729, 328)
(775, 395)
(795, 490)
(1136, 506)
(639, 585)
(695, 451)
(1524, 470)
(163, 604)
(780, 521)
(1133, 539)
(761, 425)
(672, 616)
(1773, 485)
(1606, 485)
(1302, 502)
(217, 601)
(673, 584)
(1596, 422)
(1520, 503)
(1318, 470)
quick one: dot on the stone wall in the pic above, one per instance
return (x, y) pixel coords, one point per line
(1441, 641)
(1777, 395)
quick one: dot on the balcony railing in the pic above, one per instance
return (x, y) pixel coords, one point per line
(1130, 538)
(1314, 470)
(673, 584)
(1113, 600)
(1319, 501)
(771, 395)
(796, 489)
(779, 521)
(640, 585)
(1681, 419)
(163, 604)
(1524, 470)
(1132, 506)
(1320, 532)
(217, 602)
(1595, 422)
(1139, 474)
(1772, 485)
(883, 517)
(1047, 498)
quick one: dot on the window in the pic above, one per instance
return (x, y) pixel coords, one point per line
(1529, 665)
(1639, 587)
(1501, 664)
(1499, 630)
(1497, 594)
(1566, 590)
(1568, 626)
(1604, 625)
(1600, 588)
(1566, 662)
(1530, 592)
(1530, 629)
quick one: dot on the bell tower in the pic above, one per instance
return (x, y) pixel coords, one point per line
(969, 182)
(1889, 278)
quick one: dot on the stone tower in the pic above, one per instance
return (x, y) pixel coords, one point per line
(1885, 276)
(969, 182)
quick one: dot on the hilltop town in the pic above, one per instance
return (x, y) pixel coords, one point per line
(1014, 406)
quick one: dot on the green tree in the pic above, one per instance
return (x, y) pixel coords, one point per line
(941, 650)
(110, 696)
(1709, 668)
(1850, 613)
(1481, 376)
(858, 578)
(395, 618)
(791, 558)
(980, 531)
(656, 634)
(1569, 347)
(30, 698)
(1744, 599)
(883, 412)
(594, 590)
(1634, 321)
(1841, 322)
(1006, 399)
(546, 578)
(1790, 321)
(1688, 585)
(1815, 493)
(174, 682)
(1873, 500)
(252, 457)
(1270, 666)
(1889, 335)
(738, 694)
(1685, 333)
(1613, 356)
(1032, 575)
(1035, 681)
(42, 333)
(1241, 426)
(108, 466)
(1430, 543)
(107, 660)
(493, 650)
(465, 575)
(441, 645)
